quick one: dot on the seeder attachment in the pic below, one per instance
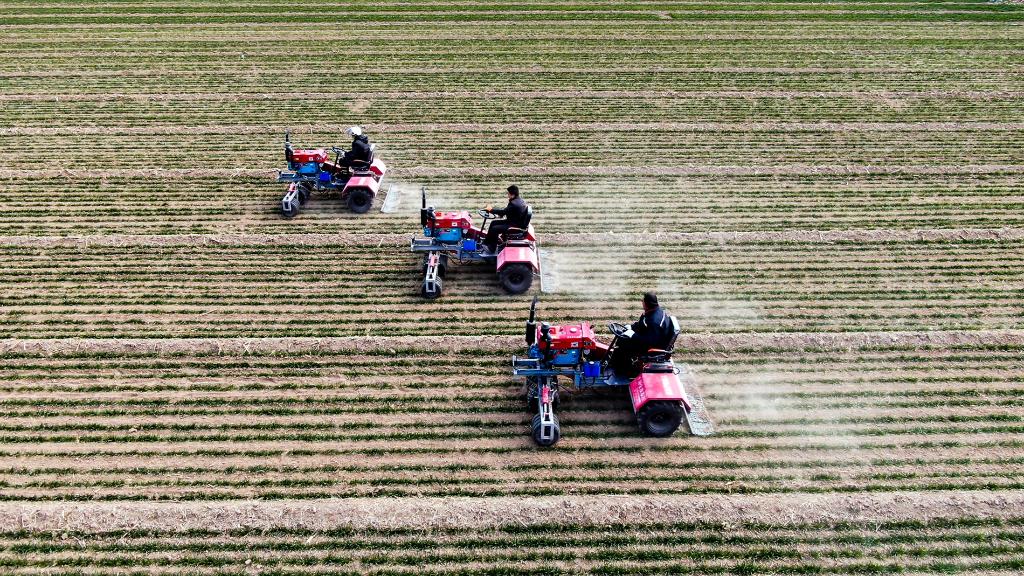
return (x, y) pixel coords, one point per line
(290, 203)
(544, 427)
(434, 267)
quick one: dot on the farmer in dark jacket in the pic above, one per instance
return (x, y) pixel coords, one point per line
(515, 217)
(653, 330)
(359, 155)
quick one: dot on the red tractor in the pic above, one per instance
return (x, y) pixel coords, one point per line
(663, 393)
(310, 169)
(452, 237)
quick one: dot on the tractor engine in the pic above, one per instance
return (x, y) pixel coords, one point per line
(447, 227)
(306, 162)
(565, 345)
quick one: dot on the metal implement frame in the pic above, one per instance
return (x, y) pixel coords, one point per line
(530, 368)
(455, 249)
(430, 278)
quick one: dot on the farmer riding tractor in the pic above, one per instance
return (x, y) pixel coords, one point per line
(452, 237)
(358, 179)
(662, 392)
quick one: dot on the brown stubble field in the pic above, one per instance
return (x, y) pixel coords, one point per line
(827, 195)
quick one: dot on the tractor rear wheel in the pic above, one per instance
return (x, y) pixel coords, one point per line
(290, 209)
(660, 418)
(432, 293)
(360, 200)
(516, 278)
(536, 430)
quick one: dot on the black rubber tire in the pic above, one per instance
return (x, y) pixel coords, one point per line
(660, 418)
(535, 432)
(516, 278)
(360, 200)
(305, 191)
(290, 210)
(434, 295)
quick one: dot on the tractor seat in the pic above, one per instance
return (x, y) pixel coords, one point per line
(656, 355)
(519, 233)
(513, 234)
(363, 165)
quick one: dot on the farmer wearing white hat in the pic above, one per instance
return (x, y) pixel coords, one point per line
(359, 155)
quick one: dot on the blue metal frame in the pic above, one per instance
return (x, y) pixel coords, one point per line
(315, 179)
(456, 249)
(607, 378)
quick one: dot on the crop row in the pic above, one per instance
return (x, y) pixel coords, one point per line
(512, 108)
(136, 85)
(570, 149)
(188, 425)
(684, 548)
(765, 12)
(469, 57)
(561, 205)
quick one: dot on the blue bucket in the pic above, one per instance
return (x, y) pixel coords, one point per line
(469, 245)
(591, 369)
(325, 177)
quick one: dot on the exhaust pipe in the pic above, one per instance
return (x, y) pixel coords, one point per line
(425, 215)
(531, 324)
(288, 155)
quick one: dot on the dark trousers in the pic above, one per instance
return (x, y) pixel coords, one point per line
(496, 228)
(623, 359)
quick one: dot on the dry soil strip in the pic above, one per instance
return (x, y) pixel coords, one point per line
(423, 513)
(588, 239)
(456, 344)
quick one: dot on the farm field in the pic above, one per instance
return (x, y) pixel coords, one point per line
(828, 195)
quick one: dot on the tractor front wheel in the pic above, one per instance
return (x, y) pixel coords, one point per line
(516, 278)
(660, 418)
(290, 209)
(431, 292)
(305, 191)
(360, 201)
(537, 427)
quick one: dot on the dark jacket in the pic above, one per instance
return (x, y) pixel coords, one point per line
(653, 330)
(514, 213)
(360, 150)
